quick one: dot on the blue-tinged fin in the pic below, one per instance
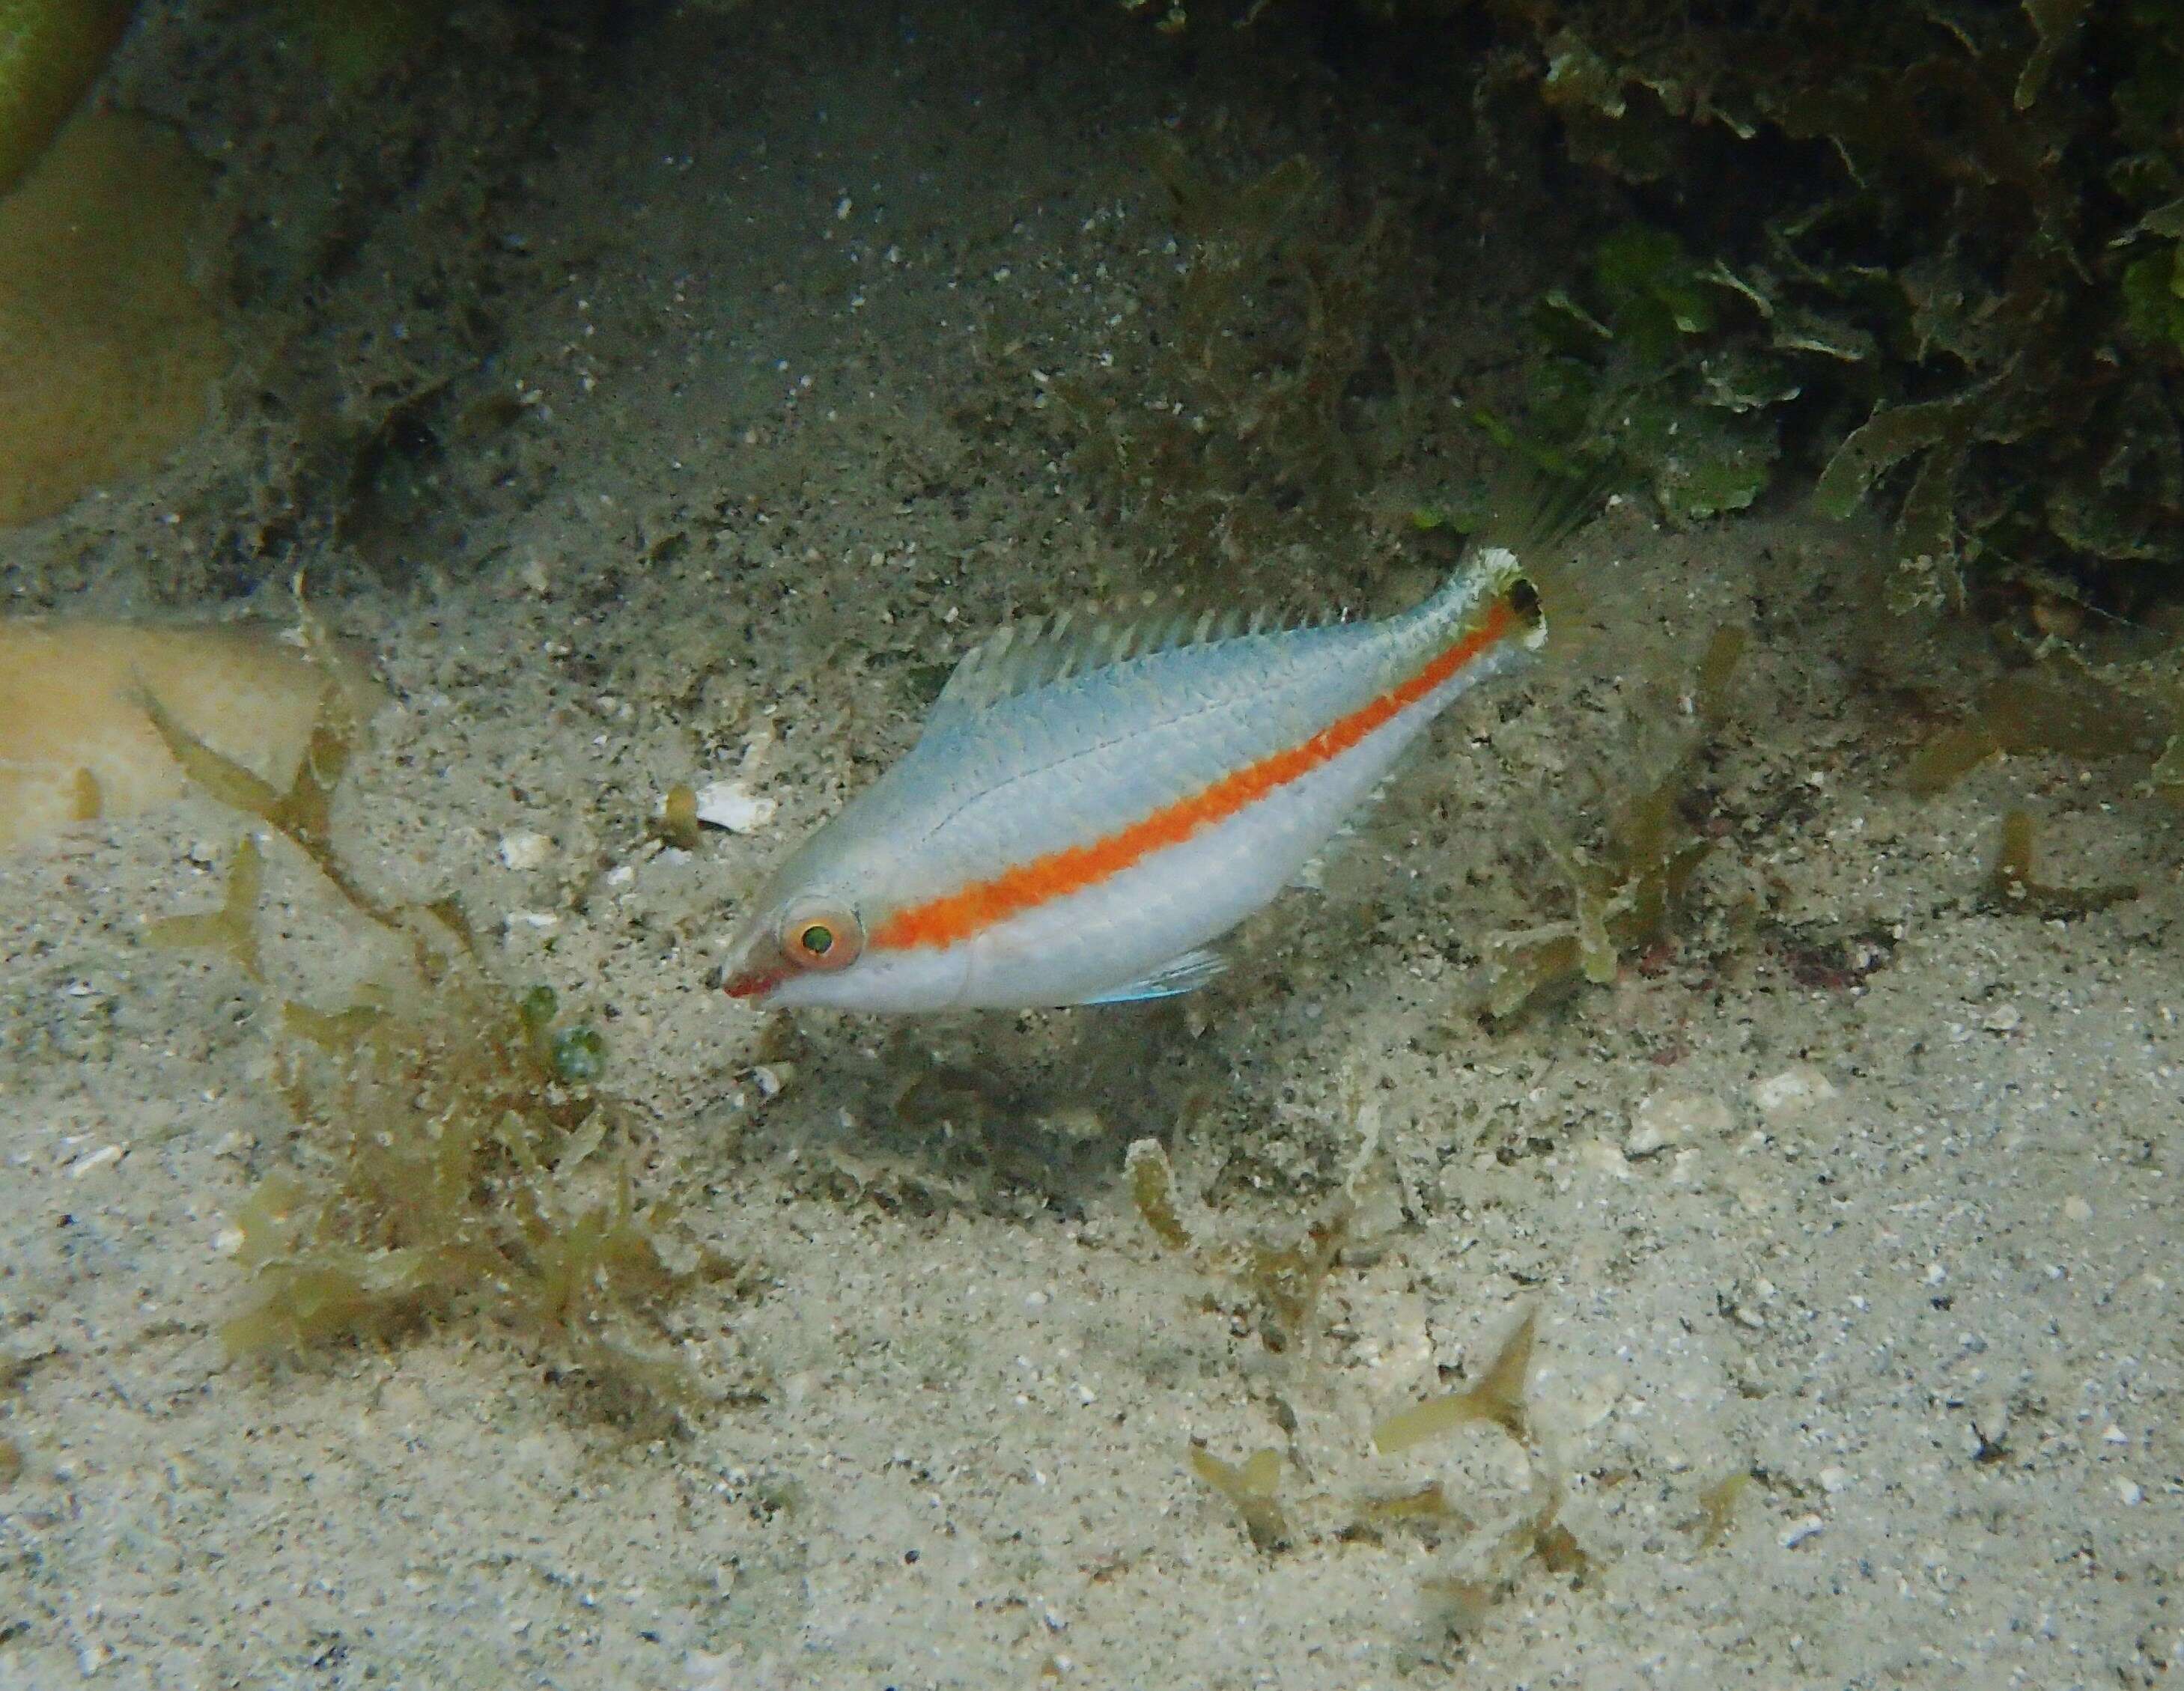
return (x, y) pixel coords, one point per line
(1183, 974)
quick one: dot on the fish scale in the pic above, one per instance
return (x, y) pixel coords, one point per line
(1091, 805)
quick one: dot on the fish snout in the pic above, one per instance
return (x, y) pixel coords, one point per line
(754, 966)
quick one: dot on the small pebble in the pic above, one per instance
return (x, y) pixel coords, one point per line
(1602, 1158)
(2003, 1018)
(525, 850)
(2077, 1209)
(105, 1157)
(1796, 1088)
(1669, 1118)
(1990, 1424)
(2131, 1492)
(1803, 1527)
(1834, 1480)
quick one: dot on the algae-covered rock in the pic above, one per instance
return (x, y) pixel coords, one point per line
(78, 742)
(107, 350)
(50, 51)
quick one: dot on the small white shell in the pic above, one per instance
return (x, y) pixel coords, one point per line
(731, 806)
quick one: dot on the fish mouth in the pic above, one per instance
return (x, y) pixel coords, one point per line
(754, 966)
(752, 983)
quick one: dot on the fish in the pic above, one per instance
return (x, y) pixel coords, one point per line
(1093, 804)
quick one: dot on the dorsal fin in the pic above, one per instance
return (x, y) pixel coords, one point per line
(1042, 650)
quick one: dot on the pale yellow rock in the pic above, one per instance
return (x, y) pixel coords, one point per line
(75, 743)
(109, 350)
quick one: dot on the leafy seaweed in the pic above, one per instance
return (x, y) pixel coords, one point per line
(1932, 256)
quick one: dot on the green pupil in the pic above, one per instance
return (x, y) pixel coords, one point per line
(817, 940)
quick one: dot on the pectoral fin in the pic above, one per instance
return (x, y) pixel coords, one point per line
(1183, 974)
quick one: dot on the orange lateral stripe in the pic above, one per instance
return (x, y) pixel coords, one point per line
(957, 916)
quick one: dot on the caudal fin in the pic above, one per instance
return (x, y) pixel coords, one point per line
(1491, 578)
(1518, 553)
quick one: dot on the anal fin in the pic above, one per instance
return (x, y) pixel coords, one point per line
(1183, 974)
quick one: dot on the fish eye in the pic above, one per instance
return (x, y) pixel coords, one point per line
(821, 933)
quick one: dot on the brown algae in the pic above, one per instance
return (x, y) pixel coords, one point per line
(676, 823)
(1249, 1486)
(1626, 896)
(230, 929)
(1718, 1507)
(1152, 1189)
(464, 1162)
(1287, 1283)
(2011, 885)
(1498, 1399)
(2034, 711)
(1426, 1507)
(1284, 1280)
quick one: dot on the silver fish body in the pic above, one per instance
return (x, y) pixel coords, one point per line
(1087, 809)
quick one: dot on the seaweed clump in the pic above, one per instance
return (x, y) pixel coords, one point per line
(1624, 896)
(1284, 1280)
(467, 1162)
(1958, 232)
(1931, 257)
(1484, 1564)
(1487, 1570)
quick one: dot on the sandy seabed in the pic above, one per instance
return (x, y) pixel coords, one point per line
(1859, 1190)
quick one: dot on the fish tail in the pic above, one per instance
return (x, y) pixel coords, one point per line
(1490, 582)
(1513, 560)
